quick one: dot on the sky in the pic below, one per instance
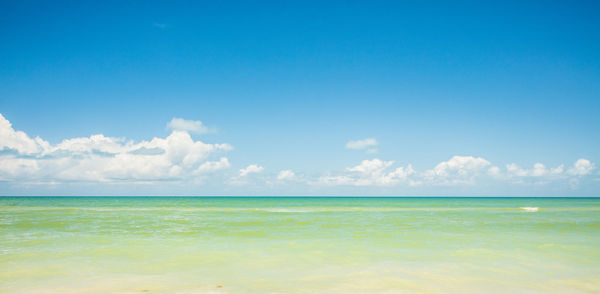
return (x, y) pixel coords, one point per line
(323, 98)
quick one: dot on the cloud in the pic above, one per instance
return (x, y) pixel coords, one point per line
(538, 170)
(363, 144)
(457, 170)
(286, 175)
(374, 166)
(210, 166)
(178, 157)
(98, 158)
(18, 141)
(581, 167)
(370, 173)
(494, 171)
(160, 25)
(253, 168)
(193, 126)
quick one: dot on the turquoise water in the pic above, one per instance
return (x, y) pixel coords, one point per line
(299, 245)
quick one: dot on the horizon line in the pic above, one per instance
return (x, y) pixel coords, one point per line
(306, 196)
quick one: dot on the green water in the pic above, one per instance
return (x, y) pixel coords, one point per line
(299, 245)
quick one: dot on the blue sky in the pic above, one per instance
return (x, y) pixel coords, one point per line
(286, 86)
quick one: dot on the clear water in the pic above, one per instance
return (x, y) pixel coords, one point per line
(299, 245)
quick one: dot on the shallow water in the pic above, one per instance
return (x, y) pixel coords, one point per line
(299, 245)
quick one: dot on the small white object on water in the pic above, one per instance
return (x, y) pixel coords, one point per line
(530, 209)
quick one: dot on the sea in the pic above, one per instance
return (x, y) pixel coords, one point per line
(299, 245)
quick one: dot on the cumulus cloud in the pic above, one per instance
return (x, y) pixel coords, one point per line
(286, 175)
(373, 172)
(178, 157)
(210, 166)
(253, 168)
(103, 159)
(18, 141)
(538, 170)
(494, 171)
(581, 167)
(193, 126)
(458, 170)
(363, 144)
(461, 165)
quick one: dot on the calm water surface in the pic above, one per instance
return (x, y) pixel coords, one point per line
(299, 245)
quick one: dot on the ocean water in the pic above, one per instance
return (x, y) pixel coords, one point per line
(299, 245)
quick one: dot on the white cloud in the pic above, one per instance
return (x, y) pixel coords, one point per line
(178, 157)
(363, 144)
(457, 170)
(194, 126)
(370, 173)
(210, 166)
(581, 167)
(538, 170)
(18, 141)
(104, 159)
(286, 175)
(253, 168)
(494, 171)
(374, 166)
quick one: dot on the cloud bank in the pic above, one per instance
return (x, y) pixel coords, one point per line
(104, 159)
(458, 170)
(178, 157)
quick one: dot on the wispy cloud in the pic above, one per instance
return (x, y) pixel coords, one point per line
(287, 174)
(362, 144)
(368, 144)
(193, 126)
(161, 26)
